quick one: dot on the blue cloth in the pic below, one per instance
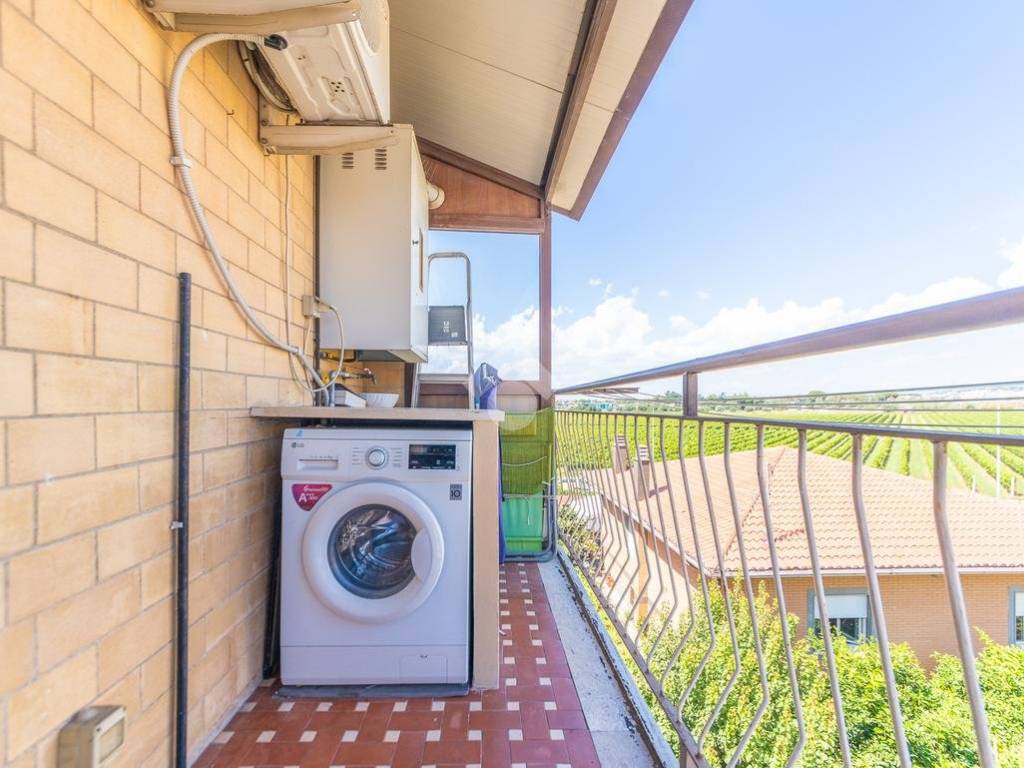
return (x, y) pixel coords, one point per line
(485, 387)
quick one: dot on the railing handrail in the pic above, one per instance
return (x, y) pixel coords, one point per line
(848, 427)
(976, 313)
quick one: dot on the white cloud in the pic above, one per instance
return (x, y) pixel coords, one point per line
(619, 336)
(703, 295)
(595, 281)
(664, 293)
(1013, 275)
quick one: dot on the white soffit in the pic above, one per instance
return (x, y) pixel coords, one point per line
(484, 78)
(631, 26)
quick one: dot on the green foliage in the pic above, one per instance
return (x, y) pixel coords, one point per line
(935, 711)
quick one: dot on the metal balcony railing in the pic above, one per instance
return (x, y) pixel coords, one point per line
(672, 522)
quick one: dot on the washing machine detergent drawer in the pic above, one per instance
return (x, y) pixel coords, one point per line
(367, 665)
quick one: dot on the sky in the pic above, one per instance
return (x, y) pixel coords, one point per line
(793, 166)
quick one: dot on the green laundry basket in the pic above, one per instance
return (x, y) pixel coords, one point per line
(523, 520)
(527, 469)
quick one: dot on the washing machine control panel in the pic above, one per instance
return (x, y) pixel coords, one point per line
(432, 456)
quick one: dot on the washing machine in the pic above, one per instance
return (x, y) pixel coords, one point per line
(375, 559)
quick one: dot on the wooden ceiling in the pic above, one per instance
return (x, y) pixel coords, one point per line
(536, 91)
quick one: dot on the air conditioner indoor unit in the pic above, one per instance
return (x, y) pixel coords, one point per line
(336, 66)
(339, 72)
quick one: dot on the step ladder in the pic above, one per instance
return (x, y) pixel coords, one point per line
(451, 326)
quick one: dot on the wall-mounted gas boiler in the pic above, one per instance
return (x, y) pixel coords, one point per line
(373, 232)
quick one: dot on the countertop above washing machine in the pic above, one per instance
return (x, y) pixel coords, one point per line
(376, 414)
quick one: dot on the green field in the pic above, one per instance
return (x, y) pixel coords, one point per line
(971, 466)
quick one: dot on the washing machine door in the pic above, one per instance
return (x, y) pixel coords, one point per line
(372, 552)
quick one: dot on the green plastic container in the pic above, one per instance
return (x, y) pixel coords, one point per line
(523, 521)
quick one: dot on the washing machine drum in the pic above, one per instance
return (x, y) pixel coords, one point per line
(372, 552)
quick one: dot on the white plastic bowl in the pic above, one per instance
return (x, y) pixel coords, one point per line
(380, 399)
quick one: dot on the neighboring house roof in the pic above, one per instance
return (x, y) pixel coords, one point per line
(988, 533)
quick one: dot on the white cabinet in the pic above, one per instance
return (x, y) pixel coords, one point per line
(373, 230)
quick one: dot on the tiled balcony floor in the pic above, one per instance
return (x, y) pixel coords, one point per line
(534, 720)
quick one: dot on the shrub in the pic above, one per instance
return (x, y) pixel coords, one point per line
(935, 712)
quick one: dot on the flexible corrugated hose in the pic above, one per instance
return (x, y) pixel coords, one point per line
(182, 162)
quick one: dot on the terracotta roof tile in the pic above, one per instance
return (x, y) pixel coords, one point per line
(987, 532)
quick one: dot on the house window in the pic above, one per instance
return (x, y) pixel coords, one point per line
(848, 614)
(1017, 616)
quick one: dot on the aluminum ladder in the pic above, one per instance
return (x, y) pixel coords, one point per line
(451, 326)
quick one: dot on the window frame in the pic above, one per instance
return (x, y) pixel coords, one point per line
(812, 610)
(1014, 592)
(541, 386)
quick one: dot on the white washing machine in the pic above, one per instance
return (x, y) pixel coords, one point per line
(375, 560)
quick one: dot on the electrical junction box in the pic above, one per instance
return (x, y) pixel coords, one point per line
(92, 737)
(373, 229)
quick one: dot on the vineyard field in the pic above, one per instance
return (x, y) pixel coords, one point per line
(971, 466)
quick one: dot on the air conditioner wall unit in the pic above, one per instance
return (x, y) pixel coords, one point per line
(339, 72)
(336, 67)
(261, 17)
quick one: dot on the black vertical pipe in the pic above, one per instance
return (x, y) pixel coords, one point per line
(181, 523)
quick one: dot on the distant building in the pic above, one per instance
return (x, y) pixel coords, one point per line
(988, 535)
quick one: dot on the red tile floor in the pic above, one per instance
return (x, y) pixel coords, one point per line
(534, 720)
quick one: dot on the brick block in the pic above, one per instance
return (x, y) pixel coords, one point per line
(245, 356)
(16, 384)
(17, 519)
(77, 504)
(44, 320)
(260, 391)
(129, 437)
(133, 541)
(69, 265)
(245, 218)
(73, 27)
(131, 336)
(224, 164)
(233, 244)
(87, 617)
(128, 646)
(164, 202)
(73, 146)
(39, 189)
(15, 244)
(137, 31)
(47, 67)
(156, 483)
(51, 699)
(194, 259)
(16, 643)
(209, 349)
(223, 390)
(224, 466)
(32, 575)
(157, 579)
(15, 110)
(84, 385)
(158, 293)
(222, 314)
(246, 148)
(157, 672)
(33, 448)
(209, 429)
(135, 235)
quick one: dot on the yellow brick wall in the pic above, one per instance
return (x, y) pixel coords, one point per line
(93, 232)
(917, 608)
